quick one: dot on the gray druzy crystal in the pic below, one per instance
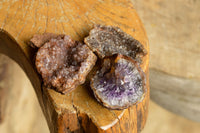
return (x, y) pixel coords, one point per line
(119, 83)
(109, 40)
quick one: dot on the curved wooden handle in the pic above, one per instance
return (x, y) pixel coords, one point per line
(77, 111)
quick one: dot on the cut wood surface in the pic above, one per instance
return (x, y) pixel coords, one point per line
(173, 27)
(77, 111)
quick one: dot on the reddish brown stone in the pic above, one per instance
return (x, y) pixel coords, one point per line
(38, 40)
(64, 63)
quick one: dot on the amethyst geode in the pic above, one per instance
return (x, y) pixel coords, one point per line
(119, 83)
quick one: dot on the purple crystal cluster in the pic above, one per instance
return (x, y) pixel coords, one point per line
(119, 83)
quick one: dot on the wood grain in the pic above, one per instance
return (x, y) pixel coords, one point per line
(182, 92)
(21, 112)
(23, 19)
(162, 120)
(173, 27)
(4, 86)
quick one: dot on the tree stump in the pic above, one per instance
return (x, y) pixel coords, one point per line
(76, 111)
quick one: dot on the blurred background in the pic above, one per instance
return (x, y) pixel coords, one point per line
(173, 29)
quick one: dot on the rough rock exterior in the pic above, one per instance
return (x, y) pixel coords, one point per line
(39, 40)
(109, 40)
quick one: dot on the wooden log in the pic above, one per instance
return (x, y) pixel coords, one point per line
(20, 111)
(77, 111)
(177, 94)
(4, 85)
(174, 53)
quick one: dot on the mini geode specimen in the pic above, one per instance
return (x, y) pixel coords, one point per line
(109, 40)
(116, 80)
(119, 82)
(64, 63)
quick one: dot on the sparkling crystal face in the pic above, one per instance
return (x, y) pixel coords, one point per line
(119, 83)
(108, 40)
(64, 63)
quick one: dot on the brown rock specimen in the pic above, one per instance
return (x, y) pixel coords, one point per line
(109, 40)
(64, 63)
(38, 40)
